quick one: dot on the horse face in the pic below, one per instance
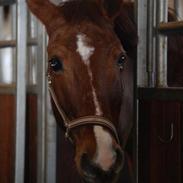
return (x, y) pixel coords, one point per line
(85, 62)
(86, 78)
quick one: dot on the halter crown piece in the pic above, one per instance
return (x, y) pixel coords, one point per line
(82, 121)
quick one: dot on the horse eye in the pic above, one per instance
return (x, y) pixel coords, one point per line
(56, 64)
(121, 61)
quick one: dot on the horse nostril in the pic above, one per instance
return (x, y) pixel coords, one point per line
(92, 172)
(88, 168)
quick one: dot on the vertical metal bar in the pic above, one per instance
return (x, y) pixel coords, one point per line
(178, 5)
(14, 28)
(142, 44)
(51, 142)
(41, 101)
(161, 66)
(135, 136)
(34, 49)
(21, 91)
(46, 123)
(151, 42)
(136, 114)
(142, 80)
(1, 25)
(30, 60)
(33, 25)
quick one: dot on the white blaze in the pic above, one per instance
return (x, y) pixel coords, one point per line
(84, 49)
(86, 52)
(105, 156)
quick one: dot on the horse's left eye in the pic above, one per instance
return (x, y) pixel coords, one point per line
(121, 61)
(56, 64)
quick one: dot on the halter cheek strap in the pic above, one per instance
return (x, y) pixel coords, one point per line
(82, 121)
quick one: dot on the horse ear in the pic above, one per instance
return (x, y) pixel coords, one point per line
(111, 8)
(47, 12)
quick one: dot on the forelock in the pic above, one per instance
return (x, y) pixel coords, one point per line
(75, 11)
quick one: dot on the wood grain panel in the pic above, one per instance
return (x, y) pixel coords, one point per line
(7, 128)
(7, 120)
(160, 161)
(31, 140)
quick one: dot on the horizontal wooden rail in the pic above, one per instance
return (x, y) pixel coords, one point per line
(11, 89)
(12, 43)
(171, 27)
(165, 94)
(6, 2)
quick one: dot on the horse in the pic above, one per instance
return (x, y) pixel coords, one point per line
(91, 58)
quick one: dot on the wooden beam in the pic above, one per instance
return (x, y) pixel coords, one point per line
(12, 43)
(171, 27)
(165, 94)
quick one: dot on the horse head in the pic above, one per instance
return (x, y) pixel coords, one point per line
(88, 71)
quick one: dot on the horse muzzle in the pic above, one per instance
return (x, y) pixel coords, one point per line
(93, 173)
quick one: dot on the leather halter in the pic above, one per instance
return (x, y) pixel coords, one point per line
(82, 121)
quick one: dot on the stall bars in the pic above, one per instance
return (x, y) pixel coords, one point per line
(46, 148)
(151, 17)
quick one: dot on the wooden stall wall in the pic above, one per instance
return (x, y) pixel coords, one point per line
(7, 124)
(7, 140)
(31, 140)
(160, 157)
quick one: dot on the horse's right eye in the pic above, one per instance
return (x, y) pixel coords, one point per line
(121, 61)
(56, 64)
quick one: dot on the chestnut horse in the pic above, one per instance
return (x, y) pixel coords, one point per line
(91, 49)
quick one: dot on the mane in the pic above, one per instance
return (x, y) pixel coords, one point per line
(82, 10)
(90, 11)
(126, 29)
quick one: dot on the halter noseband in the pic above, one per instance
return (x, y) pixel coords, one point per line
(82, 121)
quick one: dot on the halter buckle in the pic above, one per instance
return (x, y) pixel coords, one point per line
(49, 79)
(67, 133)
